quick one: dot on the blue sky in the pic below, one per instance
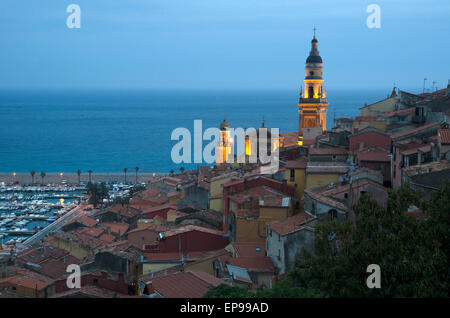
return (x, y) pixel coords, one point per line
(221, 44)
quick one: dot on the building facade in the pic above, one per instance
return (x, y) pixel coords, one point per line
(312, 106)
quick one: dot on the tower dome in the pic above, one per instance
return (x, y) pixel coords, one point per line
(224, 125)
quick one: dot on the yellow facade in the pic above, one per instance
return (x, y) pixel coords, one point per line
(153, 268)
(384, 106)
(216, 189)
(74, 248)
(248, 230)
(298, 182)
(359, 124)
(314, 180)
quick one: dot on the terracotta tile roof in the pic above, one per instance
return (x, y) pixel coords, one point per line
(39, 254)
(427, 168)
(291, 224)
(325, 200)
(150, 195)
(84, 220)
(158, 257)
(158, 208)
(444, 135)
(118, 228)
(184, 284)
(249, 249)
(189, 228)
(90, 291)
(24, 281)
(402, 112)
(290, 138)
(412, 131)
(373, 155)
(107, 238)
(151, 227)
(82, 239)
(253, 264)
(328, 151)
(299, 163)
(56, 268)
(95, 231)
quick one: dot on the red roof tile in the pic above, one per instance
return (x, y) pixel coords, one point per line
(412, 131)
(253, 263)
(184, 284)
(328, 151)
(292, 224)
(299, 163)
(444, 135)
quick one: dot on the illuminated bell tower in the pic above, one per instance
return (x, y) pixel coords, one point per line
(223, 149)
(312, 106)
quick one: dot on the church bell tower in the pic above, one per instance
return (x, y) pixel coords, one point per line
(312, 106)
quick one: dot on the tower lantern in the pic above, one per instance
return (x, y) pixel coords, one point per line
(312, 106)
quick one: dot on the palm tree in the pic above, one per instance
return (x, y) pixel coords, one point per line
(43, 174)
(79, 176)
(137, 169)
(90, 174)
(125, 171)
(33, 173)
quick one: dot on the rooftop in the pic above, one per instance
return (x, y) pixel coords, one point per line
(291, 224)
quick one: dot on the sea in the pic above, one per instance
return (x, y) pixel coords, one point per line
(107, 131)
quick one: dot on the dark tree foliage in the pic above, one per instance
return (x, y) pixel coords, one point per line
(97, 192)
(413, 254)
(281, 289)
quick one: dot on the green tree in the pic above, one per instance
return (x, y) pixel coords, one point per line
(43, 174)
(32, 173)
(97, 192)
(410, 252)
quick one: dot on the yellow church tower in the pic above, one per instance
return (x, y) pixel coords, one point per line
(312, 106)
(223, 148)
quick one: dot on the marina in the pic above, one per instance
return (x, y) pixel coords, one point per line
(26, 210)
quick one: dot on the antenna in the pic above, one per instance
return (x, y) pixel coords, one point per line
(314, 29)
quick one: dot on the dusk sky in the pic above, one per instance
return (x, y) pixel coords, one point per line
(221, 44)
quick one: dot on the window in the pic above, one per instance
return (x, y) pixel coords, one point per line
(311, 92)
(346, 195)
(334, 157)
(292, 174)
(333, 214)
(297, 205)
(311, 73)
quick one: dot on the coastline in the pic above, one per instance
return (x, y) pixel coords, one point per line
(72, 178)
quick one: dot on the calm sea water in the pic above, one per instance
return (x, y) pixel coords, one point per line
(107, 131)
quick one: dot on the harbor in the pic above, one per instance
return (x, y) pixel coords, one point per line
(26, 210)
